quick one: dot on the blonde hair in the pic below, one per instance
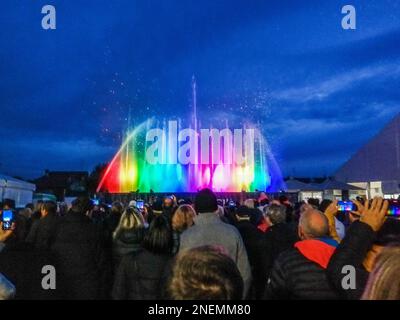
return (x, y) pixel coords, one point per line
(131, 219)
(249, 203)
(384, 280)
(183, 218)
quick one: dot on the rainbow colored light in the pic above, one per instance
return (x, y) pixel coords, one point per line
(129, 170)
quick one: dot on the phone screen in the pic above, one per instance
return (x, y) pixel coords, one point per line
(139, 204)
(7, 218)
(394, 209)
(345, 206)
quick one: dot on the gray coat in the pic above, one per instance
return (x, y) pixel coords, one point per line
(208, 229)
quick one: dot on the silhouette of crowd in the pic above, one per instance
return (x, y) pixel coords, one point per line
(208, 248)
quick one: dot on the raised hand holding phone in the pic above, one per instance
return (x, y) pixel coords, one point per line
(330, 213)
(374, 214)
(6, 218)
(5, 234)
(355, 214)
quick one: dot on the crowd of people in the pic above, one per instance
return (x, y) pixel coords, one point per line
(207, 248)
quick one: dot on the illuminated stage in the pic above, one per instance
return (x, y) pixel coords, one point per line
(165, 157)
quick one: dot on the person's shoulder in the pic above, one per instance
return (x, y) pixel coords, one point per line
(185, 238)
(289, 256)
(189, 231)
(230, 228)
(35, 223)
(130, 258)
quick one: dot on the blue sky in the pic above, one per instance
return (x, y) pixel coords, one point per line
(318, 91)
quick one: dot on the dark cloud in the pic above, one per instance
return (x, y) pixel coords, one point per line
(319, 92)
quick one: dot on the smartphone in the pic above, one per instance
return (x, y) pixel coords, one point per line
(139, 204)
(345, 206)
(7, 219)
(394, 209)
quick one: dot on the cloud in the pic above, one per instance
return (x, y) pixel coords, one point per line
(53, 154)
(339, 83)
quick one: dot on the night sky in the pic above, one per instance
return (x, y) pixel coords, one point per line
(319, 92)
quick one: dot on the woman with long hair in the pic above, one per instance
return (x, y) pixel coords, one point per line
(143, 275)
(129, 234)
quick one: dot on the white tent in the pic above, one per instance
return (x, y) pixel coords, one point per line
(18, 190)
(304, 190)
(376, 166)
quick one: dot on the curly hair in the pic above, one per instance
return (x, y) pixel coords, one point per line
(205, 273)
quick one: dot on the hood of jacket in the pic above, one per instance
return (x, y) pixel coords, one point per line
(131, 236)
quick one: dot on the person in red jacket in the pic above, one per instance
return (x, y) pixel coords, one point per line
(300, 272)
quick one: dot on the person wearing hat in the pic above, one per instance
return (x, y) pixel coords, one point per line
(208, 229)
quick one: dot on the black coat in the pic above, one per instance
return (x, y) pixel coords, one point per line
(80, 258)
(22, 265)
(295, 277)
(142, 276)
(111, 222)
(278, 238)
(42, 232)
(352, 251)
(255, 244)
(126, 242)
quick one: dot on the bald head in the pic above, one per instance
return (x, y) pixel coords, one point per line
(313, 224)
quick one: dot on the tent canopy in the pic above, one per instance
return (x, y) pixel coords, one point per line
(18, 190)
(337, 185)
(293, 185)
(377, 160)
(10, 182)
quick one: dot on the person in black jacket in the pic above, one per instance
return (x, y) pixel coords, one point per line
(112, 220)
(364, 240)
(279, 237)
(300, 273)
(22, 264)
(128, 235)
(79, 254)
(255, 244)
(143, 275)
(42, 231)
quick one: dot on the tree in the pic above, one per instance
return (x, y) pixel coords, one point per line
(95, 177)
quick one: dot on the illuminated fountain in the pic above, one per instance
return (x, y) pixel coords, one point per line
(167, 157)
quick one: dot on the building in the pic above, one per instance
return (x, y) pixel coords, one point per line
(15, 189)
(322, 188)
(376, 166)
(63, 183)
(334, 189)
(303, 190)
